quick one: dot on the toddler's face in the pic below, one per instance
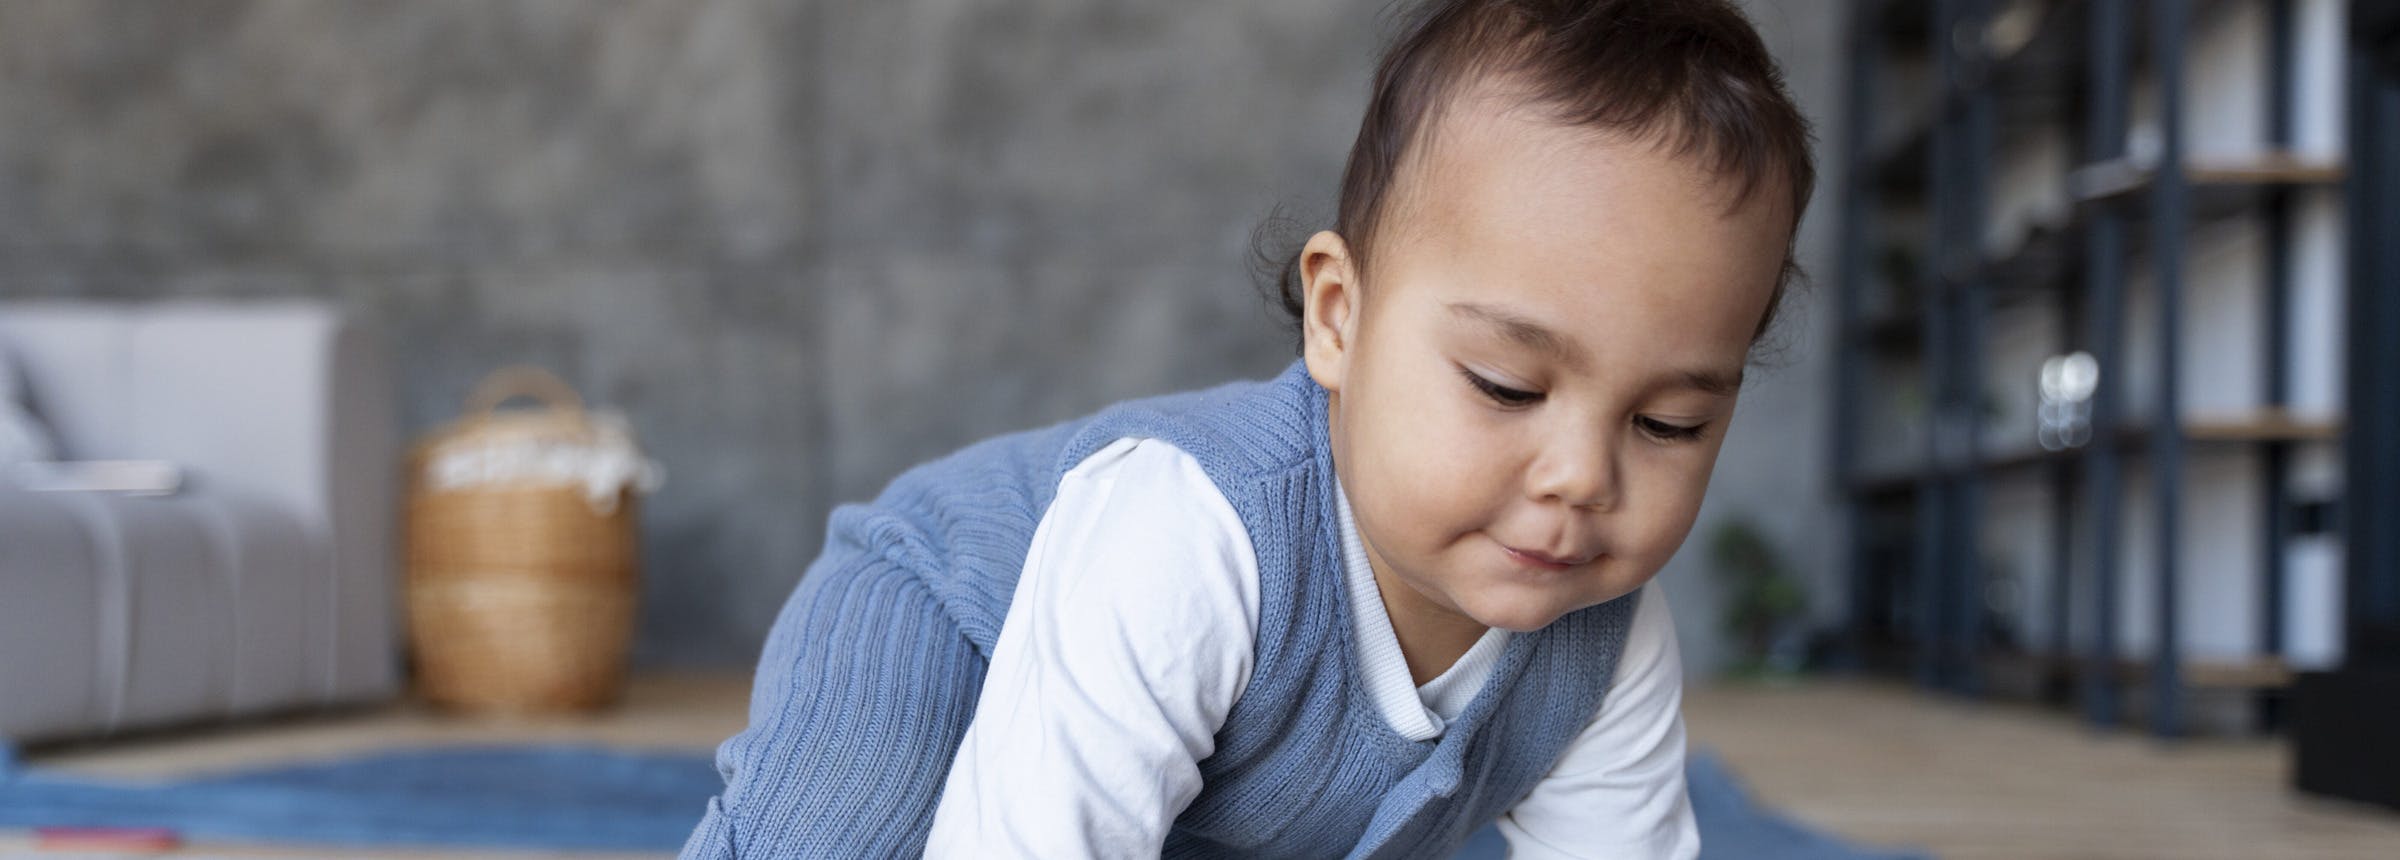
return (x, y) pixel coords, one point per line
(1530, 386)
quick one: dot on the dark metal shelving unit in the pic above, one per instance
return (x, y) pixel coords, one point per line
(1920, 606)
(2342, 722)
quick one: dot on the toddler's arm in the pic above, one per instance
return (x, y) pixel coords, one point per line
(1619, 789)
(1129, 637)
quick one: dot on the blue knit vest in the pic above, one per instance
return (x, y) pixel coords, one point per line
(1305, 765)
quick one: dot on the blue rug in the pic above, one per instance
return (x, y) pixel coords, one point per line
(556, 797)
(1732, 827)
(590, 798)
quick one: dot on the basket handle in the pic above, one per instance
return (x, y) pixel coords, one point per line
(522, 380)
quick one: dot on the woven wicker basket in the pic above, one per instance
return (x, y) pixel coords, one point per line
(521, 596)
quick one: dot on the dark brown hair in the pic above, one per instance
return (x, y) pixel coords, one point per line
(1691, 74)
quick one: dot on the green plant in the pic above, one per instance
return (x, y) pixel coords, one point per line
(1762, 599)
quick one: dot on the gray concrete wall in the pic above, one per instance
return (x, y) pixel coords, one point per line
(803, 245)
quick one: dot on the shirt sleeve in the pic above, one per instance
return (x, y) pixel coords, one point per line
(1129, 637)
(1619, 789)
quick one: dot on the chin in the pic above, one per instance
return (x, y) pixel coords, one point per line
(1516, 616)
(1528, 612)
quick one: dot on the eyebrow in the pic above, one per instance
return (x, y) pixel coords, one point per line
(1521, 329)
(1516, 327)
(1717, 382)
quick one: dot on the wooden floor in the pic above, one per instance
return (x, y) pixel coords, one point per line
(1873, 763)
(1892, 766)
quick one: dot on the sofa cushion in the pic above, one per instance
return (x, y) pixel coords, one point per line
(49, 606)
(123, 611)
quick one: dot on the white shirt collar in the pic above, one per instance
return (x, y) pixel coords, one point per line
(1417, 713)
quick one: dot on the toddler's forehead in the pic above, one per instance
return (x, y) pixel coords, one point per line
(1495, 133)
(1504, 198)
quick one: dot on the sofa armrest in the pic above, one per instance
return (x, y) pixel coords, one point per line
(286, 400)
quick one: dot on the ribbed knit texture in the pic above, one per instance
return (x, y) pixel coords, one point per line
(871, 673)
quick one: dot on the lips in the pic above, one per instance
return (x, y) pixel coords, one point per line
(1540, 559)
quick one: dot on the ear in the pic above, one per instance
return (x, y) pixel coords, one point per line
(1329, 307)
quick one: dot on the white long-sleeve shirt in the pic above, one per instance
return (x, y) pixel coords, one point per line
(1131, 634)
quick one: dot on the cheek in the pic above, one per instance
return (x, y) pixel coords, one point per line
(1434, 465)
(1671, 487)
(1439, 465)
(1474, 454)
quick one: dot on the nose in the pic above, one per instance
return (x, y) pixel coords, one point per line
(1578, 470)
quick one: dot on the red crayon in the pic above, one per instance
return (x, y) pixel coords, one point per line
(106, 839)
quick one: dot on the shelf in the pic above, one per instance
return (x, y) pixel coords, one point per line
(2257, 673)
(2007, 96)
(2221, 188)
(2126, 177)
(2035, 73)
(2265, 425)
(2263, 673)
(2261, 426)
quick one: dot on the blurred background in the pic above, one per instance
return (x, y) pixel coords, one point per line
(2069, 487)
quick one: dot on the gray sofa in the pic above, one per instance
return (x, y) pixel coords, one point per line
(265, 583)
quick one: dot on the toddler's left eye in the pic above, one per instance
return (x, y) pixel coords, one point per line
(1501, 394)
(1669, 432)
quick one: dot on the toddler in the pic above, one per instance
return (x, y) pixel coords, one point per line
(1387, 598)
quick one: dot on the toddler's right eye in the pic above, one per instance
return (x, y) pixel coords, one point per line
(1500, 394)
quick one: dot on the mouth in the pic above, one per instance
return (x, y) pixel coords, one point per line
(1545, 561)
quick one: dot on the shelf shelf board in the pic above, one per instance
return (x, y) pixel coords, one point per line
(2127, 177)
(2265, 425)
(2261, 673)
(2255, 673)
(2221, 188)
(2224, 429)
